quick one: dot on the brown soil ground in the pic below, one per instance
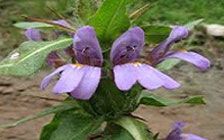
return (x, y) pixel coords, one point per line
(205, 120)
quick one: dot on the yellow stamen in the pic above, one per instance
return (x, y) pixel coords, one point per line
(136, 64)
(78, 65)
(182, 50)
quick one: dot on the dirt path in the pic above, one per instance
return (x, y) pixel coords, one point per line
(206, 120)
(14, 104)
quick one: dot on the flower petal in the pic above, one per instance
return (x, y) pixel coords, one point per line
(179, 125)
(191, 137)
(177, 33)
(128, 46)
(53, 59)
(69, 51)
(86, 47)
(176, 132)
(151, 78)
(88, 84)
(125, 76)
(45, 82)
(62, 23)
(191, 57)
(147, 77)
(69, 79)
(33, 34)
(168, 82)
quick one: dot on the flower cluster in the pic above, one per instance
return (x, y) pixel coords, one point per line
(81, 79)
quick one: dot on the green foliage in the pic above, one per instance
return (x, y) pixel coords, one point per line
(155, 33)
(41, 25)
(168, 64)
(137, 129)
(180, 12)
(151, 99)
(30, 56)
(139, 12)
(116, 132)
(111, 102)
(110, 19)
(71, 125)
(27, 25)
(194, 100)
(83, 9)
(191, 25)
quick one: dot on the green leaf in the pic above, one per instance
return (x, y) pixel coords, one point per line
(27, 25)
(50, 110)
(42, 25)
(148, 98)
(155, 33)
(71, 125)
(30, 56)
(111, 19)
(116, 132)
(111, 102)
(191, 25)
(137, 129)
(195, 100)
(139, 12)
(85, 8)
(168, 64)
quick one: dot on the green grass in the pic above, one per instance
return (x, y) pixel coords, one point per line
(183, 11)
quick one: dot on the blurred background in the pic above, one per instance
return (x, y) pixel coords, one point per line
(18, 96)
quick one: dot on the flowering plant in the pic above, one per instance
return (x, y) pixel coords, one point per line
(108, 71)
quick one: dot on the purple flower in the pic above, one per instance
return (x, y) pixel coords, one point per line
(177, 134)
(33, 34)
(53, 59)
(62, 23)
(80, 79)
(162, 51)
(128, 70)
